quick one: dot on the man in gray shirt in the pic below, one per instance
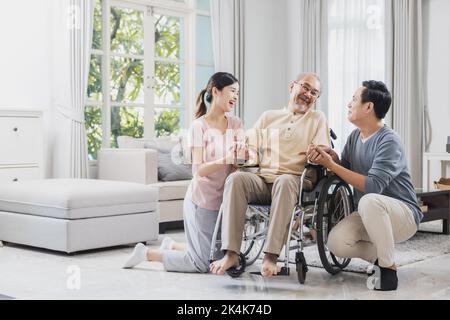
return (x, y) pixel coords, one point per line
(374, 163)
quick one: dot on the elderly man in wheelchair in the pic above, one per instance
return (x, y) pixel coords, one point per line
(303, 204)
(323, 200)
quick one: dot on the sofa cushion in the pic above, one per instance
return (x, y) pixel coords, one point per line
(77, 198)
(172, 190)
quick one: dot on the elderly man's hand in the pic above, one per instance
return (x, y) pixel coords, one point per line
(321, 155)
(308, 151)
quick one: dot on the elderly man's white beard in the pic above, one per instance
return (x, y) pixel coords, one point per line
(300, 105)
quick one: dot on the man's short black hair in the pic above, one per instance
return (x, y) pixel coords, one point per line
(377, 93)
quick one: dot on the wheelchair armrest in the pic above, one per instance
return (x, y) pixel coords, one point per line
(313, 166)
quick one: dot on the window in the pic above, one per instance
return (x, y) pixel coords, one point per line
(139, 80)
(356, 47)
(169, 69)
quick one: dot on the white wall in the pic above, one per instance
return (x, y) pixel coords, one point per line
(265, 58)
(25, 57)
(293, 40)
(437, 75)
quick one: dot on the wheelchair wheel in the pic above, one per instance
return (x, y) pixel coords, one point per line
(301, 266)
(254, 236)
(334, 204)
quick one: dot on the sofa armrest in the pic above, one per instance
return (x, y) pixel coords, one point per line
(133, 165)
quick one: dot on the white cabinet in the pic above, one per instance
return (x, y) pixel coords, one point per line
(21, 145)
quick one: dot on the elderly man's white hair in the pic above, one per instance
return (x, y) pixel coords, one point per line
(305, 74)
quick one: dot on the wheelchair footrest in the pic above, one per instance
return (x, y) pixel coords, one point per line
(236, 272)
(283, 272)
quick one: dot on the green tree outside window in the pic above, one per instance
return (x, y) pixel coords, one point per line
(127, 76)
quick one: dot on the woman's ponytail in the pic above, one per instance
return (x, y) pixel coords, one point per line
(201, 106)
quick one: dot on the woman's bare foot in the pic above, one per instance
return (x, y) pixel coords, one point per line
(179, 246)
(269, 266)
(154, 255)
(231, 259)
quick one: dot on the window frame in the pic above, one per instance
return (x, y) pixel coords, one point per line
(188, 11)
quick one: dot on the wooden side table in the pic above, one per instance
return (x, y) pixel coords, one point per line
(438, 203)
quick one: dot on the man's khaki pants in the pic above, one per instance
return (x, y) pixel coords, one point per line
(371, 232)
(242, 188)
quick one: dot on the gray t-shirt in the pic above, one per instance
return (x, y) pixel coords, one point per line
(382, 160)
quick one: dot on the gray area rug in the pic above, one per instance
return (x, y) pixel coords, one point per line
(423, 245)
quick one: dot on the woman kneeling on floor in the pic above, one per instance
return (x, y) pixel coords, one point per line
(210, 168)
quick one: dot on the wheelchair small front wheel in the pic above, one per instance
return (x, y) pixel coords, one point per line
(302, 268)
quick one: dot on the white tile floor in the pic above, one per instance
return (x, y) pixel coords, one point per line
(31, 273)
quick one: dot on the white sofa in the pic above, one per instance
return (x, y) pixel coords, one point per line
(73, 215)
(134, 163)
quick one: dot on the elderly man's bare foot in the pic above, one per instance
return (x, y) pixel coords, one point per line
(269, 266)
(231, 259)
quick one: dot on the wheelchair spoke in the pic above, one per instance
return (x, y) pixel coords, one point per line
(255, 231)
(338, 214)
(342, 207)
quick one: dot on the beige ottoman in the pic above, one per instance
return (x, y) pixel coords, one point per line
(77, 214)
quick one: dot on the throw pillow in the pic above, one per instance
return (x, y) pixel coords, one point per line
(169, 169)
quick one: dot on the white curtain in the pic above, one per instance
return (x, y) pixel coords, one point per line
(356, 52)
(72, 39)
(313, 40)
(406, 75)
(227, 18)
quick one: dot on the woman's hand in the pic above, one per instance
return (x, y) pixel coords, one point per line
(230, 156)
(242, 154)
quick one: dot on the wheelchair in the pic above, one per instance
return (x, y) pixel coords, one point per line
(324, 200)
